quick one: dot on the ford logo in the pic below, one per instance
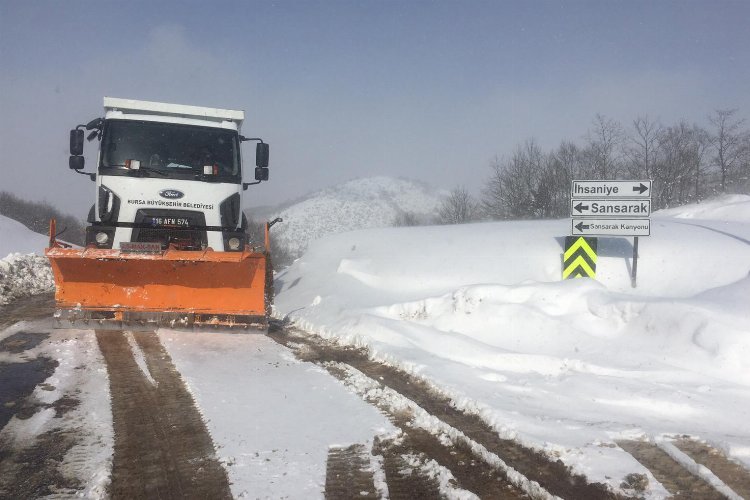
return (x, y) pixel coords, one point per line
(171, 194)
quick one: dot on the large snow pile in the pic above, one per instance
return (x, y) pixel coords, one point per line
(357, 204)
(22, 275)
(17, 238)
(480, 311)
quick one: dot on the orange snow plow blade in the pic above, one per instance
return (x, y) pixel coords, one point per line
(176, 288)
(173, 288)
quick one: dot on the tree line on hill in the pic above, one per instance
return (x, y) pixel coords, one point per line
(36, 216)
(687, 163)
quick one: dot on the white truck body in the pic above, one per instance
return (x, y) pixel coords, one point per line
(149, 182)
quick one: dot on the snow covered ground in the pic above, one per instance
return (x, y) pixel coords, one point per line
(567, 366)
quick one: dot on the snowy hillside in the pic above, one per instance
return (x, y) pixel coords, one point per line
(571, 366)
(357, 204)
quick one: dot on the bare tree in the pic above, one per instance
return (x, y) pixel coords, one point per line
(701, 146)
(563, 165)
(458, 208)
(508, 194)
(493, 205)
(570, 158)
(686, 162)
(604, 148)
(281, 256)
(677, 174)
(727, 142)
(642, 147)
(406, 219)
(529, 185)
(743, 176)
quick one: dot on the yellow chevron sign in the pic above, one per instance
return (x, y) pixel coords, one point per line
(579, 259)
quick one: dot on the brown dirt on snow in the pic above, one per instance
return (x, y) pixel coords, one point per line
(733, 474)
(471, 473)
(676, 479)
(348, 474)
(34, 471)
(162, 448)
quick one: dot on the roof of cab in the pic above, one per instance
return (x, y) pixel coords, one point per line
(180, 110)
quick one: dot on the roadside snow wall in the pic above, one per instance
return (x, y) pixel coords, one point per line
(24, 275)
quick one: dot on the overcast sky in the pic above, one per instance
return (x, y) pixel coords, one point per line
(425, 90)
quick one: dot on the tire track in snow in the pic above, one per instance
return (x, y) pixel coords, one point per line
(162, 448)
(527, 466)
(534, 467)
(680, 482)
(733, 474)
(348, 474)
(730, 235)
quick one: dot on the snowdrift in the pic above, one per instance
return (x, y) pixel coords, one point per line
(17, 238)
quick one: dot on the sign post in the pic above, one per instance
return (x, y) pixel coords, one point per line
(634, 271)
(609, 208)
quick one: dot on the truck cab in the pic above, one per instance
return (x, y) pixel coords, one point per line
(167, 176)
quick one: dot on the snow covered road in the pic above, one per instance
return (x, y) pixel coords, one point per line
(291, 415)
(271, 416)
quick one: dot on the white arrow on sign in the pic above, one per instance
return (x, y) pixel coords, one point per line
(610, 208)
(610, 227)
(611, 189)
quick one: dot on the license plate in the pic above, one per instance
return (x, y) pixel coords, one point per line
(170, 221)
(140, 246)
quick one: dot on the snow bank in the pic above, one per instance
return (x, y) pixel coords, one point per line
(22, 275)
(481, 312)
(17, 238)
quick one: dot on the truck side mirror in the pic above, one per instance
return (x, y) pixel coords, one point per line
(261, 156)
(76, 142)
(261, 174)
(96, 123)
(76, 162)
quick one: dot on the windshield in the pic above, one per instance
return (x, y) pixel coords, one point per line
(170, 150)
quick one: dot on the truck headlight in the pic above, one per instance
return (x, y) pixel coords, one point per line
(102, 238)
(234, 243)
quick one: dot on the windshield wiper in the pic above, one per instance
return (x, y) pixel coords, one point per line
(142, 168)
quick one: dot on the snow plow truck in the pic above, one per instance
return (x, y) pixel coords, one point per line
(166, 241)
